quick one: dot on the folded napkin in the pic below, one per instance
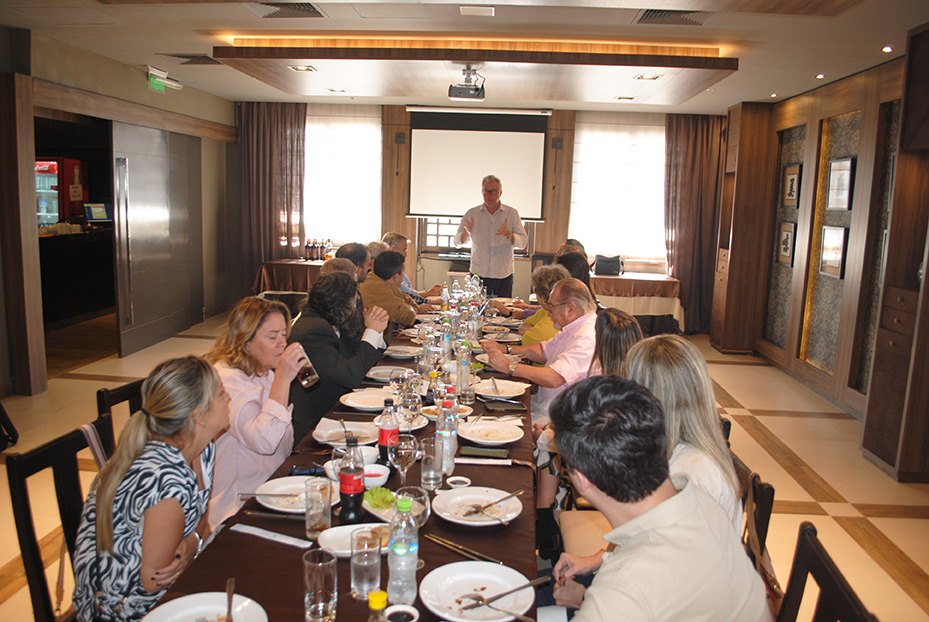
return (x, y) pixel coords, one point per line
(491, 461)
(270, 535)
(328, 430)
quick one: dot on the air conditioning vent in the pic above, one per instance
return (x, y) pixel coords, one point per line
(276, 10)
(672, 18)
(192, 59)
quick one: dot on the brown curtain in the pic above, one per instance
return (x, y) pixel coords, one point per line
(272, 182)
(695, 162)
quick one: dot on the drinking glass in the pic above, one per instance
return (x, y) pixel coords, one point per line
(318, 506)
(431, 467)
(403, 454)
(411, 404)
(366, 562)
(396, 380)
(320, 578)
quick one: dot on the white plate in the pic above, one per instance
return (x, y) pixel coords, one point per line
(504, 337)
(452, 505)
(290, 485)
(368, 400)
(490, 432)
(381, 373)
(338, 540)
(485, 359)
(441, 591)
(496, 329)
(428, 317)
(209, 605)
(419, 422)
(508, 388)
(402, 353)
(410, 332)
(430, 412)
(505, 321)
(366, 433)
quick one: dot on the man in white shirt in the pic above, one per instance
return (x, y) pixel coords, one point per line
(495, 230)
(399, 243)
(677, 556)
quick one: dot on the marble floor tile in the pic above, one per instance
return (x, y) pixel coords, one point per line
(767, 388)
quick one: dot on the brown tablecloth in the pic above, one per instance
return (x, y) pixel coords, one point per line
(286, 275)
(636, 284)
(272, 574)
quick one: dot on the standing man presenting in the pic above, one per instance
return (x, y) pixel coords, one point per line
(495, 230)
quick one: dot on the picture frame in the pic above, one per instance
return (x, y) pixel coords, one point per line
(832, 252)
(841, 176)
(785, 243)
(791, 188)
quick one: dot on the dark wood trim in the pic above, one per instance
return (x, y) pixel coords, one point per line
(65, 98)
(775, 354)
(21, 271)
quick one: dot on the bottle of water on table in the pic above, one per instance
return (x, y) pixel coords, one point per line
(403, 554)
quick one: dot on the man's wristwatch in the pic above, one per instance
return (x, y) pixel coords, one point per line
(508, 349)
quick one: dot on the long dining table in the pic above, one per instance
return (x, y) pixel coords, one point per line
(272, 574)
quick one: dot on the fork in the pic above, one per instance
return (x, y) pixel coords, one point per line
(493, 381)
(480, 599)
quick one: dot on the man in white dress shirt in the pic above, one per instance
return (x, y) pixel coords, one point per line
(495, 230)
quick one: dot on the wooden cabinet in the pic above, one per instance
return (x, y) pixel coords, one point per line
(746, 212)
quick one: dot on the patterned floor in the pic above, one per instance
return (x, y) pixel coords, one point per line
(876, 529)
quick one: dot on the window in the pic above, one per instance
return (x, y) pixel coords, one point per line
(342, 181)
(439, 234)
(617, 194)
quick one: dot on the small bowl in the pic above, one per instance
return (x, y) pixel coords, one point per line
(412, 614)
(376, 475)
(458, 481)
(369, 454)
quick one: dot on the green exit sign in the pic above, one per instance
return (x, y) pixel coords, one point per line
(156, 84)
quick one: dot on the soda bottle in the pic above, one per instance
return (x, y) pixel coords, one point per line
(388, 427)
(351, 483)
(403, 554)
(431, 387)
(446, 433)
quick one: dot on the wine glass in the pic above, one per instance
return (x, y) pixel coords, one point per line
(422, 509)
(403, 454)
(410, 406)
(396, 379)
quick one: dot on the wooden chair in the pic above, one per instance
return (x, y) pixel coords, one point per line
(8, 434)
(837, 600)
(757, 505)
(130, 392)
(60, 455)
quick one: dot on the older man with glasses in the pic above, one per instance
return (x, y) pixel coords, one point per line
(495, 230)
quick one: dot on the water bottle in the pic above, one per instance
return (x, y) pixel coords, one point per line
(446, 426)
(351, 483)
(388, 428)
(463, 367)
(403, 554)
(448, 336)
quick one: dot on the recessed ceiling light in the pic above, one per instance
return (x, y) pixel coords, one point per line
(476, 11)
(887, 49)
(337, 90)
(648, 76)
(820, 76)
(621, 98)
(773, 94)
(301, 67)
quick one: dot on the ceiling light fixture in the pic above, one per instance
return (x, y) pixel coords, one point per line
(301, 68)
(820, 76)
(773, 94)
(623, 98)
(476, 11)
(887, 49)
(647, 76)
(469, 90)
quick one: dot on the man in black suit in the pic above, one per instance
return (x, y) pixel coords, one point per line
(341, 353)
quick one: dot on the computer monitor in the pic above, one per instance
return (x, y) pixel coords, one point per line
(98, 212)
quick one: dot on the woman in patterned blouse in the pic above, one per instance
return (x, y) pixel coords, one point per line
(152, 495)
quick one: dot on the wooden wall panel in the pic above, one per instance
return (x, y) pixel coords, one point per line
(556, 180)
(21, 271)
(395, 181)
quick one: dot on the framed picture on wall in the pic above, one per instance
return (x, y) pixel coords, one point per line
(791, 186)
(785, 243)
(832, 257)
(839, 195)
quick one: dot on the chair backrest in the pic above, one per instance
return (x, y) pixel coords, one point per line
(130, 392)
(759, 504)
(837, 600)
(60, 455)
(727, 428)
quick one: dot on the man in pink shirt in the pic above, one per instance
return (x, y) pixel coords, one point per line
(566, 356)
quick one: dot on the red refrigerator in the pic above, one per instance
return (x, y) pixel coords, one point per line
(60, 189)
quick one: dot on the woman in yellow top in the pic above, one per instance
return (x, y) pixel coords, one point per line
(539, 327)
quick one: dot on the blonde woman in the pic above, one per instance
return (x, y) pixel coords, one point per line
(676, 373)
(145, 516)
(257, 367)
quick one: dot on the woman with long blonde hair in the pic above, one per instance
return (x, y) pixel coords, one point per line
(256, 367)
(145, 516)
(676, 373)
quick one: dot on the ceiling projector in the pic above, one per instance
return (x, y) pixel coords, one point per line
(468, 92)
